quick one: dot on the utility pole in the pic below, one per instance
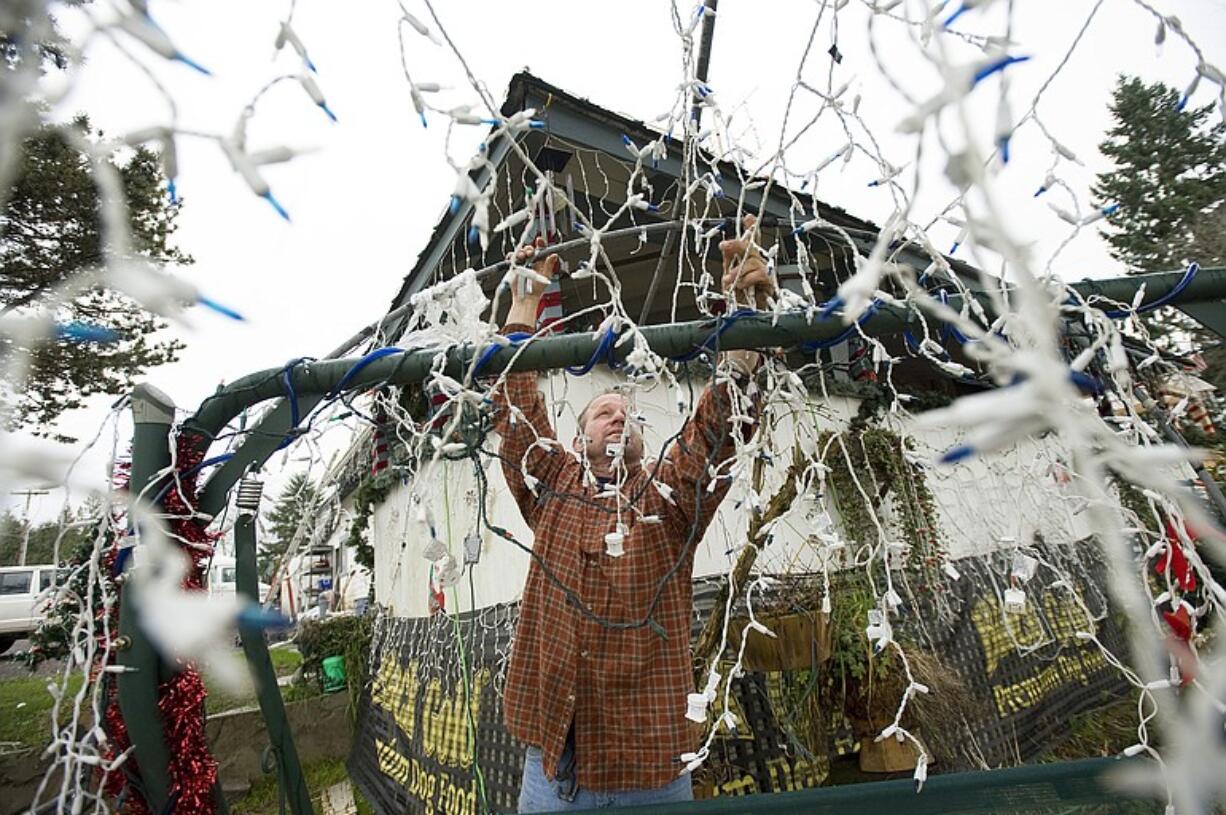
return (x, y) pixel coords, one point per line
(700, 73)
(704, 57)
(25, 537)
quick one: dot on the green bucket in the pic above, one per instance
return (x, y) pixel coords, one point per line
(334, 674)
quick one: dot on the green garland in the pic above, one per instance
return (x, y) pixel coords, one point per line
(876, 454)
(877, 459)
(372, 491)
(856, 678)
(1132, 499)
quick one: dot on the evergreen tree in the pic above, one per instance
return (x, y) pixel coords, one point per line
(1209, 237)
(291, 521)
(1170, 183)
(12, 530)
(1169, 179)
(50, 230)
(63, 535)
(23, 18)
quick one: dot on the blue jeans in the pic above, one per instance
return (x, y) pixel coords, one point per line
(538, 794)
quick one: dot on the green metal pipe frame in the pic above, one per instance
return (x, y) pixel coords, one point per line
(312, 382)
(1062, 786)
(153, 416)
(289, 769)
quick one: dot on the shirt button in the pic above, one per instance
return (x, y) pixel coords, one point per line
(570, 697)
(583, 654)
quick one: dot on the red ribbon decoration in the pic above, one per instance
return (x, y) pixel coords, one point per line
(192, 769)
(1176, 561)
(1180, 622)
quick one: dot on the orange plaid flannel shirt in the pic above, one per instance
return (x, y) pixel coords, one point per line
(624, 688)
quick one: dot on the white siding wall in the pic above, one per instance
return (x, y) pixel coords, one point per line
(982, 504)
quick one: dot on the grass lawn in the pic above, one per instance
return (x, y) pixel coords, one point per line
(284, 662)
(221, 700)
(25, 704)
(1102, 731)
(25, 711)
(263, 797)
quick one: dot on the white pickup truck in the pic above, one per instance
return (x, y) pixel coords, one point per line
(223, 577)
(20, 608)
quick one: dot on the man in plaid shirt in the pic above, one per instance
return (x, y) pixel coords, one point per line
(601, 665)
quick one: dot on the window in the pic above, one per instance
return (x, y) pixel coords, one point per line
(229, 574)
(16, 582)
(46, 578)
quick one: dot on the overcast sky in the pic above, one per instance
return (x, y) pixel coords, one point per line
(364, 203)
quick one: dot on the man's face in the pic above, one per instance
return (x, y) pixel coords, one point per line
(605, 423)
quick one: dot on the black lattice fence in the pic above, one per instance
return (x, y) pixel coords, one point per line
(1028, 673)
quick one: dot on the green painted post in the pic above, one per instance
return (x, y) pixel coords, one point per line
(289, 769)
(152, 414)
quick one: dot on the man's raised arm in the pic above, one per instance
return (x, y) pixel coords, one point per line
(531, 454)
(723, 411)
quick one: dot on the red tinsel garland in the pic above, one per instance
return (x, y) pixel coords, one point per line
(192, 769)
(116, 731)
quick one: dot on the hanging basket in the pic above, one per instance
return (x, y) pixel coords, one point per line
(886, 756)
(801, 641)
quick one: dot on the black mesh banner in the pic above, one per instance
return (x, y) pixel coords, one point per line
(435, 684)
(1026, 670)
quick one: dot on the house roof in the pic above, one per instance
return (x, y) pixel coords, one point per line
(576, 124)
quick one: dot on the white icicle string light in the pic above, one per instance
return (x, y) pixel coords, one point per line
(1036, 392)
